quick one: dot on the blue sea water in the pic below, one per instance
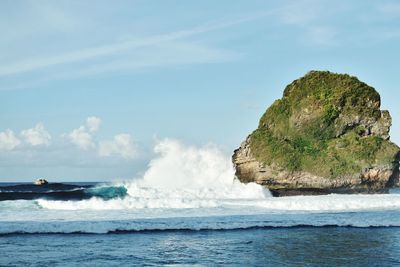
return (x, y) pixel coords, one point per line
(243, 225)
(187, 209)
(298, 246)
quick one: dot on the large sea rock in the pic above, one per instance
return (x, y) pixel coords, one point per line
(326, 134)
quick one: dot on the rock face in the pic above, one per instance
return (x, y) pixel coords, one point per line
(326, 134)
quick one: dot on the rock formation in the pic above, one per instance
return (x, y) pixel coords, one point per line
(41, 181)
(326, 134)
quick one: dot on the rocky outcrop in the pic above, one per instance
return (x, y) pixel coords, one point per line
(326, 135)
(41, 181)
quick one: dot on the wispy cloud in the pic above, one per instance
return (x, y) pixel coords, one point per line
(173, 48)
(391, 9)
(313, 23)
(299, 13)
(168, 54)
(311, 26)
(121, 145)
(116, 48)
(163, 55)
(322, 35)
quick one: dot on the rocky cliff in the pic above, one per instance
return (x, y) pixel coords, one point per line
(326, 134)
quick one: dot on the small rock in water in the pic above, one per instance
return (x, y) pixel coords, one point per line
(41, 181)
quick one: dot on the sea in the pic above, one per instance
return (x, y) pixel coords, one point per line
(188, 209)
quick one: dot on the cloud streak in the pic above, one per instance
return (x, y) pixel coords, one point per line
(117, 48)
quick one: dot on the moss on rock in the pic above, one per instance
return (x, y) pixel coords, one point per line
(326, 124)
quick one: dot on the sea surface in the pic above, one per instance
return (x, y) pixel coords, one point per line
(154, 227)
(188, 209)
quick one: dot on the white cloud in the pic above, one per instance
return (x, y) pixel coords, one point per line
(81, 138)
(8, 140)
(93, 124)
(122, 145)
(36, 136)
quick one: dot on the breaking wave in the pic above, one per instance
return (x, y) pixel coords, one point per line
(190, 188)
(179, 177)
(231, 222)
(59, 191)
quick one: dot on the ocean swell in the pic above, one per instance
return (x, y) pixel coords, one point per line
(180, 177)
(59, 191)
(202, 223)
(189, 188)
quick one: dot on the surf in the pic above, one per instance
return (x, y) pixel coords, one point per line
(184, 177)
(60, 191)
(178, 177)
(190, 188)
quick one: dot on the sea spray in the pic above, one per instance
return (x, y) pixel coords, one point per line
(189, 177)
(193, 188)
(203, 172)
(179, 166)
(179, 177)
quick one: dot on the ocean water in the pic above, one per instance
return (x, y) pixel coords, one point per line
(188, 209)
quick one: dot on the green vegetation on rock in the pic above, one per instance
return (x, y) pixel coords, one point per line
(326, 124)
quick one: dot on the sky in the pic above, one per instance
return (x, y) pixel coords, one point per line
(87, 88)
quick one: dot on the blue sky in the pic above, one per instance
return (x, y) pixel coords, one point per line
(88, 87)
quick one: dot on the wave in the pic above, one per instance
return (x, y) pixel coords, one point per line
(359, 220)
(183, 177)
(190, 200)
(32, 188)
(189, 188)
(107, 191)
(60, 191)
(179, 177)
(118, 231)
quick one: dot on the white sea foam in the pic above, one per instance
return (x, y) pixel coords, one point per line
(15, 205)
(177, 200)
(179, 177)
(183, 177)
(194, 188)
(227, 222)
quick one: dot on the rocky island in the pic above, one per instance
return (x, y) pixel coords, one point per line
(326, 134)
